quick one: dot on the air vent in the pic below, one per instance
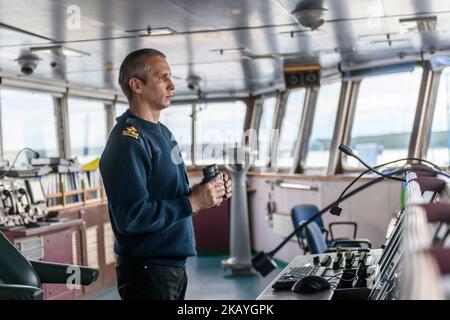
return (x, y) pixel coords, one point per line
(418, 24)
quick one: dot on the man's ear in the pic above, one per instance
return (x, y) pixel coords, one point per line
(135, 85)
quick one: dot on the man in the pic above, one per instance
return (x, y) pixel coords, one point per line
(150, 203)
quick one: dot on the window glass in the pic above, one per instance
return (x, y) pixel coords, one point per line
(28, 120)
(177, 118)
(219, 126)
(121, 108)
(87, 126)
(384, 117)
(265, 131)
(290, 127)
(318, 150)
(439, 146)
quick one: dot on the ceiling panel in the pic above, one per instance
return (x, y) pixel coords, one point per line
(354, 31)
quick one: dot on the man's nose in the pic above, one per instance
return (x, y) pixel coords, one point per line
(171, 84)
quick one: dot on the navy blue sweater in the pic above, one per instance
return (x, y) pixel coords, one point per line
(150, 213)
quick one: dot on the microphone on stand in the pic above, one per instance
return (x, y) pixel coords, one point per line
(336, 210)
(348, 151)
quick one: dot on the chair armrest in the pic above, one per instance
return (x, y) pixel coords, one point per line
(325, 232)
(19, 292)
(353, 241)
(59, 273)
(351, 223)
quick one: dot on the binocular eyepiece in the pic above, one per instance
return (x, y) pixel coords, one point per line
(210, 172)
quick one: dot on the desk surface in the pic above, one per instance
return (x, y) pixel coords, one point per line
(49, 227)
(270, 294)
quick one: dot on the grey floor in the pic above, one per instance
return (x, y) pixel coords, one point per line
(208, 281)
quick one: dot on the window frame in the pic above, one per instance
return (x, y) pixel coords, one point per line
(256, 123)
(308, 123)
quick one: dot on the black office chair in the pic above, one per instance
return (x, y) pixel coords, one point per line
(304, 212)
(21, 279)
(317, 244)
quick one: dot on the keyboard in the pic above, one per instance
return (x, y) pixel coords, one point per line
(287, 280)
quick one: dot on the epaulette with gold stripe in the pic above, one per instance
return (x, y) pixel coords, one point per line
(131, 131)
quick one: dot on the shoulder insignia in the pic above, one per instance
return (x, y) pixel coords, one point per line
(131, 132)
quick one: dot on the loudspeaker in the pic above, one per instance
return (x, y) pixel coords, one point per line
(301, 75)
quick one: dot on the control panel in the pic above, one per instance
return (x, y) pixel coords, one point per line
(22, 203)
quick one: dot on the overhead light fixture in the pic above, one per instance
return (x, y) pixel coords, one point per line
(381, 38)
(338, 50)
(153, 31)
(230, 50)
(302, 33)
(418, 24)
(377, 36)
(389, 41)
(310, 13)
(60, 51)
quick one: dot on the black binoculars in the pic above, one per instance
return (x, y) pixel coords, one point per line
(210, 172)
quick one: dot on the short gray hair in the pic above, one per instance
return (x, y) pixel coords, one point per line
(135, 65)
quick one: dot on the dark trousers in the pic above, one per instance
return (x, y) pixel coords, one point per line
(140, 281)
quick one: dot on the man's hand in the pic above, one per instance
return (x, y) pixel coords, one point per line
(208, 195)
(227, 183)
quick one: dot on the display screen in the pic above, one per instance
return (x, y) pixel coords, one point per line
(36, 191)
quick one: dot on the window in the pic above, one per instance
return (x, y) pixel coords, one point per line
(439, 146)
(290, 127)
(87, 126)
(219, 126)
(318, 150)
(28, 120)
(178, 119)
(384, 117)
(121, 108)
(265, 131)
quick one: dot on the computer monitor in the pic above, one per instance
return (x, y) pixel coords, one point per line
(389, 261)
(35, 190)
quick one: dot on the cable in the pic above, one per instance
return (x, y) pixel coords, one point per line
(333, 276)
(388, 163)
(36, 155)
(334, 210)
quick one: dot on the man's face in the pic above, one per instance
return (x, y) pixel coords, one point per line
(158, 90)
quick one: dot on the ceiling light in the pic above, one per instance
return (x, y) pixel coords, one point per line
(338, 50)
(418, 24)
(301, 33)
(152, 31)
(388, 41)
(377, 35)
(230, 50)
(60, 51)
(380, 38)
